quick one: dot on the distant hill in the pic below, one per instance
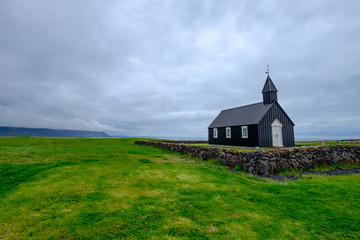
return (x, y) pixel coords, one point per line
(45, 132)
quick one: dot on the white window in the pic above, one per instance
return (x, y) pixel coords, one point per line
(215, 132)
(228, 132)
(244, 132)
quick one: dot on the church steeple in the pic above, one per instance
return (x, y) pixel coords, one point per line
(269, 91)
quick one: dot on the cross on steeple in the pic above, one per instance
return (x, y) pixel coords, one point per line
(267, 69)
(269, 91)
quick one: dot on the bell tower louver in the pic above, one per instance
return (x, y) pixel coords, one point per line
(269, 91)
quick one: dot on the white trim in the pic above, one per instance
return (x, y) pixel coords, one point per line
(228, 132)
(244, 132)
(276, 123)
(215, 133)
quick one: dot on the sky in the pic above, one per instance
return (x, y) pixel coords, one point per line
(167, 68)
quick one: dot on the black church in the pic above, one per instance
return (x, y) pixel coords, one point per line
(263, 124)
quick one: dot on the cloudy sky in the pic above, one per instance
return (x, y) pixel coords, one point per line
(167, 68)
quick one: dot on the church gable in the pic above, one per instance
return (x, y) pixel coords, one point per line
(276, 114)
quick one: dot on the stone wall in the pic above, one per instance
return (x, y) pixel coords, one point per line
(184, 141)
(268, 162)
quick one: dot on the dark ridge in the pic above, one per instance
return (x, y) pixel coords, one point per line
(45, 132)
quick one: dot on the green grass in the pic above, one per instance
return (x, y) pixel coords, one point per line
(113, 189)
(327, 142)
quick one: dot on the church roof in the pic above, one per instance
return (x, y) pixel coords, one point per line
(245, 115)
(269, 86)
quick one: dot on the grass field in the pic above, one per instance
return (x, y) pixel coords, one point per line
(111, 188)
(327, 142)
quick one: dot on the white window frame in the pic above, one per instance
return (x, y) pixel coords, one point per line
(228, 132)
(215, 133)
(244, 129)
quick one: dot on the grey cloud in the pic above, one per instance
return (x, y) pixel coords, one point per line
(167, 68)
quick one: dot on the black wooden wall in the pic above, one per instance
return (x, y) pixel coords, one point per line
(236, 139)
(265, 131)
(269, 97)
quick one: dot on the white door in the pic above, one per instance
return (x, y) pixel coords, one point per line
(276, 127)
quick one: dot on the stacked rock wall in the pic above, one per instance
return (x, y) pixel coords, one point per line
(268, 162)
